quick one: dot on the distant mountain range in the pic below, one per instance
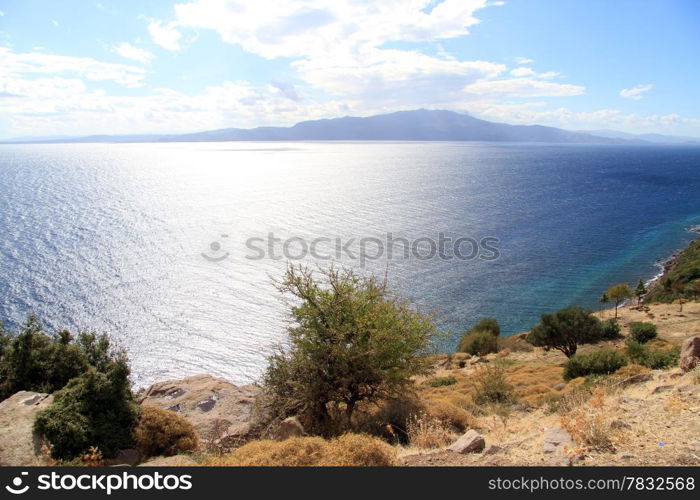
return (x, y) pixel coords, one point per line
(417, 125)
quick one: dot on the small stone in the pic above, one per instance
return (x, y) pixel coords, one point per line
(555, 439)
(492, 449)
(629, 399)
(470, 442)
(478, 359)
(661, 388)
(619, 424)
(207, 404)
(559, 386)
(289, 427)
(637, 379)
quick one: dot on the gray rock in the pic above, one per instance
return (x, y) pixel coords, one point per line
(124, 457)
(661, 388)
(288, 428)
(555, 439)
(478, 359)
(690, 353)
(559, 386)
(214, 406)
(637, 379)
(619, 424)
(470, 442)
(492, 449)
(19, 445)
(628, 399)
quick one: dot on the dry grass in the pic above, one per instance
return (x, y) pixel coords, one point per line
(631, 370)
(427, 432)
(347, 450)
(589, 426)
(163, 432)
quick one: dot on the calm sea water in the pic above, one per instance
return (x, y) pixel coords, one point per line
(115, 238)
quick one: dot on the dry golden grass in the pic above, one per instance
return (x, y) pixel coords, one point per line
(534, 382)
(347, 450)
(163, 432)
(450, 414)
(589, 425)
(427, 432)
(630, 370)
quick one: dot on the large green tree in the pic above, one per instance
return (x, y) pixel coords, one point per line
(565, 330)
(351, 342)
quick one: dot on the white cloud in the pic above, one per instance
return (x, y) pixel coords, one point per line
(165, 34)
(524, 60)
(523, 87)
(30, 65)
(636, 92)
(132, 52)
(54, 22)
(1, 13)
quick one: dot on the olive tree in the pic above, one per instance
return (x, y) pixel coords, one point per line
(350, 343)
(565, 330)
(618, 294)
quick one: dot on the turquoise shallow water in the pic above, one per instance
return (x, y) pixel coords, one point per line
(148, 241)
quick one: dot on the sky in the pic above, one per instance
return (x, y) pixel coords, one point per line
(114, 67)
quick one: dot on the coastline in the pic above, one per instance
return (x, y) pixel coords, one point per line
(666, 264)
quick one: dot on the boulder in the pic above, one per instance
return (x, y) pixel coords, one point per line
(217, 409)
(19, 444)
(288, 428)
(555, 440)
(470, 442)
(690, 353)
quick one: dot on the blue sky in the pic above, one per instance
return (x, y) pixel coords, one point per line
(84, 67)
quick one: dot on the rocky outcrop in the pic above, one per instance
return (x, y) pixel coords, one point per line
(220, 411)
(19, 445)
(690, 353)
(470, 442)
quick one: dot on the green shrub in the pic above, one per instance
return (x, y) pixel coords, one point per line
(643, 332)
(441, 381)
(163, 432)
(478, 342)
(656, 359)
(488, 325)
(565, 330)
(93, 409)
(33, 360)
(609, 330)
(491, 385)
(601, 362)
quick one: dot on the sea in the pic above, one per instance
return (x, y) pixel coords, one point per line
(174, 249)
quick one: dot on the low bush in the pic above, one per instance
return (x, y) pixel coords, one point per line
(163, 432)
(441, 381)
(656, 359)
(610, 330)
(491, 386)
(631, 370)
(34, 360)
(347, 450)
(478, 343)
(601, 362)
(94, 409)
(643, 332)
(488, 325)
